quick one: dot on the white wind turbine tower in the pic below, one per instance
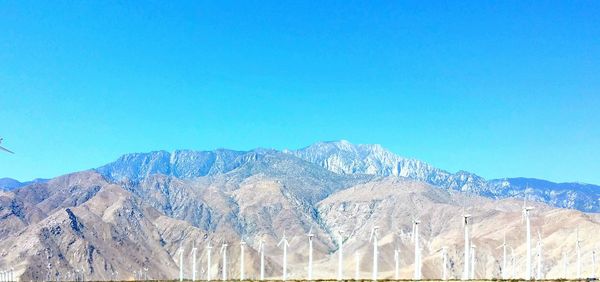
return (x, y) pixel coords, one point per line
(578, 250)
(472, 262)
(466, 273)
(356, 266)
(512, 263)
(593, 264)
(310, 236)
(285, 244)
(525, 215)
(180, 263)
(224, 252)
(415, 237)
(194, 249)
(261, 250)
(340, 242)
(397, 263)
(242, 246)
(373, 238)
(539, 275)
(444, 263)
(208, 263)
(504, 270)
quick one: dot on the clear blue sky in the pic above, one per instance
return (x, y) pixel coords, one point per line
(502, 89)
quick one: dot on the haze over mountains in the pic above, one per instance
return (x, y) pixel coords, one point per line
(136, 212)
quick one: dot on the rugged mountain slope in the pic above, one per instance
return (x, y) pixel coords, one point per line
(180, 164)
(9, 183)
(345, 158)
(584, 197)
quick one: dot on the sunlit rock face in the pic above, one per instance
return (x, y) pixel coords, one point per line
(343, 157)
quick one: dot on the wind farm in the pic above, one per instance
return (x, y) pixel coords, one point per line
(376, 228)
(496, 241)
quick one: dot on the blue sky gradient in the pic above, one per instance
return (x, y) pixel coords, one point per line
(501, 89)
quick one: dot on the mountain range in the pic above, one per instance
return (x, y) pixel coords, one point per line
(346, 159)
(134, 214)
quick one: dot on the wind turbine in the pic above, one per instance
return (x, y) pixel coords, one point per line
(512, 263)
(340, 240)
(472, 262)
(356, 266)
(242, 246)
(397, 263)
(261, 250)
(208, 250)
(444, 263)
(310, 236)
(415, 237)
(525, 215)
(224, 252)
(373, 238)
(180, 263)
(539, 275)
(194, 249)
(578, 250)
(504, 271)
(4, 149)
(593, 264)
(465, 275)
(285, 244)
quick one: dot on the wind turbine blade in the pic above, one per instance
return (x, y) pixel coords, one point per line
(7, 150)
